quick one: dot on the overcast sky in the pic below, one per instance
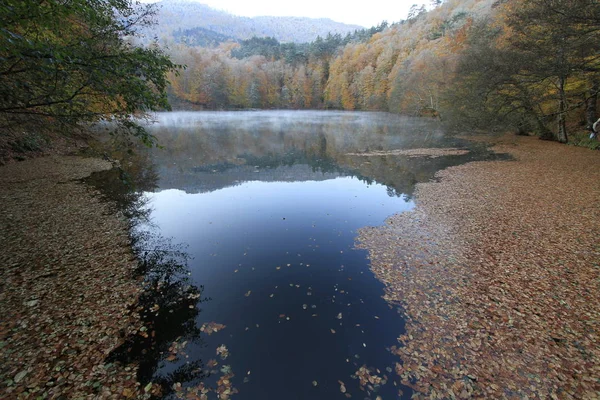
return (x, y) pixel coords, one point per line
(363, 12)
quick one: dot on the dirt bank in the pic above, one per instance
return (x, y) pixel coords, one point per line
(498, 269)
(67, 280)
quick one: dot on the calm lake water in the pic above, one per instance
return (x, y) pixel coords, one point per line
(253, 219)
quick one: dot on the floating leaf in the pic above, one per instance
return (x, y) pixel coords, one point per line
(222, 351)
(226, 369)
(211, 327)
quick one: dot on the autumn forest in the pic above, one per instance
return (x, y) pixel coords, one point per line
(201, 205)
(531, 66)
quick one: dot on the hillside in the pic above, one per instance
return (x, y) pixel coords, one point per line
(484, 64)
(186, 17)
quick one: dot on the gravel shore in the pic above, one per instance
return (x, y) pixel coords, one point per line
(67, 282)
(498, 270)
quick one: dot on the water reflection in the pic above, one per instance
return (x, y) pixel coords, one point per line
(168, 304)
(168, 307)
(212, 150)
(268, 204)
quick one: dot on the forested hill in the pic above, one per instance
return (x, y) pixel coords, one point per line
(197, 21)
(531, 66)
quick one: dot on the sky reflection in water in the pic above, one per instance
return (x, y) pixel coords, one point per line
(269, 204)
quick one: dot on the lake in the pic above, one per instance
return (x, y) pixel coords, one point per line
(246, 238)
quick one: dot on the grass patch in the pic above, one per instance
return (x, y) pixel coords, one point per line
(582, 139)
(31, 142)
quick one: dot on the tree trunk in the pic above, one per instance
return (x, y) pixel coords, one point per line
(562, 110)
(591, 103)
(542, 130)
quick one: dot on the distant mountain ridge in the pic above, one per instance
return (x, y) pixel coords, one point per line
(183, 16)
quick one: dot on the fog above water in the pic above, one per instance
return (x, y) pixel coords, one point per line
(204, 151)
(267, 205)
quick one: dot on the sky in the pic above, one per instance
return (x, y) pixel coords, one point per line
(364, 12)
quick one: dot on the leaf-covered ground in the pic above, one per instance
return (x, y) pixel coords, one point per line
(498, 270)
(67, 281)
(427, 152)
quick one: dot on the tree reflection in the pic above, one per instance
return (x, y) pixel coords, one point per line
(168, 304)
(124, 186)
(168, 307)
(210, 151)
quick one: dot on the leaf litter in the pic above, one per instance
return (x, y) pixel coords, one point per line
(67, 284)
(497, 271)
(425, 152)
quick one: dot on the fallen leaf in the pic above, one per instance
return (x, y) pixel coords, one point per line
(222, 351)
(211, 327)
(19, 377)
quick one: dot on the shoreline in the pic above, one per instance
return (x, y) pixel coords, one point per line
(497, 270)
(472, 267)
(69, 281)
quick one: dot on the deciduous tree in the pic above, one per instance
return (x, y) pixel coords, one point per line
(72, 61)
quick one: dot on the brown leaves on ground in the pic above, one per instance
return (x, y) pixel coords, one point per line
(497, 269)
(426, 152)
(211, 327)
(66, 284)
